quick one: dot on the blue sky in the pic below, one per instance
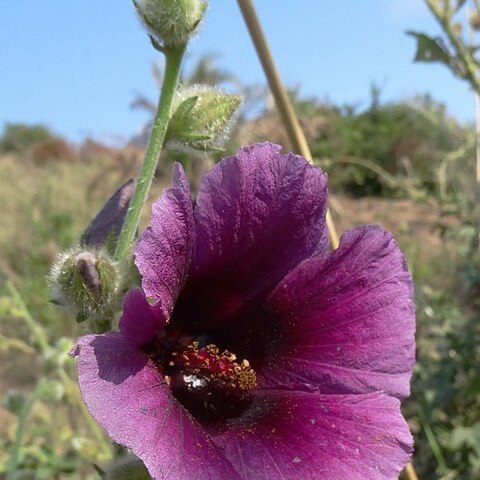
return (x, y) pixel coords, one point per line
(77, 65)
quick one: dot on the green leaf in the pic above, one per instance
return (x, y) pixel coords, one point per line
(430, 49)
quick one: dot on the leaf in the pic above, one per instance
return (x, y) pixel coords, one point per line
(430, 49)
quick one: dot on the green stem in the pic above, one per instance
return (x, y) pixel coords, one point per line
(36, 329)
(14, 457)
(437, 451)
(144, 180)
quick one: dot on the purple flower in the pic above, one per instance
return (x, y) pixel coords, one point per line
(259, 354)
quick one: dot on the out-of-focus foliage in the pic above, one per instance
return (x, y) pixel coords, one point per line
(445, 405)
(393, 149)
(446, 389)
(457, 48)
(410, 150)
(35, 142)
(18, 137)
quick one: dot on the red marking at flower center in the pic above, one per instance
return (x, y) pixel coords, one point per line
(209, 362)
(212, 386)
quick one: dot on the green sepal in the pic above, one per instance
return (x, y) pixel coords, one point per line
(170, 23)
(87, 283)
(201, 117)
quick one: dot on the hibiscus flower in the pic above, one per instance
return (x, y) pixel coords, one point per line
(251, 352)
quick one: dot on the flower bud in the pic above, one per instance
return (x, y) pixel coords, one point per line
(85, 282)
(126, 468)
(171, 22)
(201, 117)
(105, 228)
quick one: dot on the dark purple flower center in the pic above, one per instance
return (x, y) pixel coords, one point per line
(211, 385)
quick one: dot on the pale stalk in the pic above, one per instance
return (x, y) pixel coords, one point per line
(410, 472)
(285, 109)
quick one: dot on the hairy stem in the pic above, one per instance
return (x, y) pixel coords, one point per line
(145, 176)
(463, 53)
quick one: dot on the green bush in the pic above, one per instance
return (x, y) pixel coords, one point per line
(18, 137)
(387, 149)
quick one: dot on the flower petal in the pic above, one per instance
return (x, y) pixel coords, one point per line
(163, 252)
(140, 321)
(314, 437)
(258, 214)
(131, 401)
(349, 319)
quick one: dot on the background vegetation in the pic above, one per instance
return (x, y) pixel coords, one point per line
(407, 165)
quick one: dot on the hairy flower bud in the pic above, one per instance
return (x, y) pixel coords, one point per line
(201, 117)
(171, 22)
(85, 282)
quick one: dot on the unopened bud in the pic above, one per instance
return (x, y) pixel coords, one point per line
(105, 228)
(85, 282)
(171, 22)
(201, 118)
